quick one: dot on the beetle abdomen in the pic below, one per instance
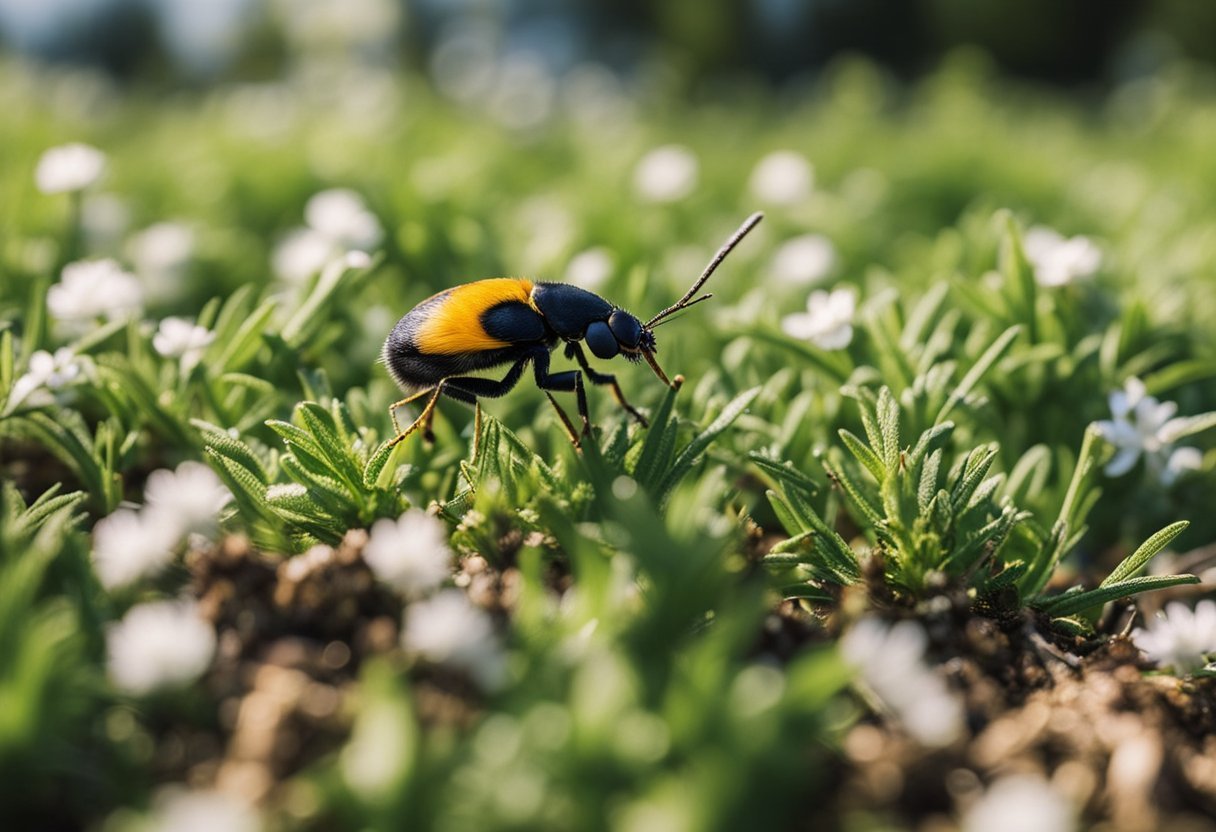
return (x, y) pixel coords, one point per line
(462, 329)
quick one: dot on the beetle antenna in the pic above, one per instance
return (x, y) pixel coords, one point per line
(729, 246)
(674, 317)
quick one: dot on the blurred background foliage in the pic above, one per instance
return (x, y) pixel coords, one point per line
(1081, 42)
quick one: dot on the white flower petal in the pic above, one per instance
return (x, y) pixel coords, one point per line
(804, 260)
(1181, 461)
(188, 498)
(157, 645)
(1178, 637)
(1122, 462)
(449, 629)
(783, 177)
(410, 553)
(176, 809)
(1020, 803)
(69, 167)
(666, 174)
(129, 545)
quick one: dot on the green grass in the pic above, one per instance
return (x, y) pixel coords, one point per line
(948, 450)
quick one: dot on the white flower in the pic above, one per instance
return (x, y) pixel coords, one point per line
(178, 338)
(1058, 261)
(177, 809)
(589, 269)
(129, 545)
(448, 629)
(157, 645)
(160, 254)
(890, 662)
(45, 372)
(301, 254)
(69, 167)
(410, 553)
(1179, 637)
(188, 498)
(1142, 426)
(341, 216)
(666, 174)
(783, 177)
(91, 289)
(1181, 461)
(804, 260)
(1020, 803)
(338, 222)
(828, 321)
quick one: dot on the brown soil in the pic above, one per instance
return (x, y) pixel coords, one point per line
(1136, 750)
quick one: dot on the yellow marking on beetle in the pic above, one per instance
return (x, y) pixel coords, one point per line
(454, 325)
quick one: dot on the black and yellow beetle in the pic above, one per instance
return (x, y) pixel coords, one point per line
(489, 323)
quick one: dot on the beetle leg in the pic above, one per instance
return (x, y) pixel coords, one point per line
(467, 389)
(392, 412)
(476, 429)
(424, 418)
(574, 351)
(566, 381)
(566, 423)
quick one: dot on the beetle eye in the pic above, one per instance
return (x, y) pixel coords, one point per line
(601, 340)
(626, 328)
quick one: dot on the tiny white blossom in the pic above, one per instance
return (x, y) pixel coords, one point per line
(160, 255)
(339, 222)
(301, 254)
(828, 321)
(129, 545)
(804, 260)
(666, 174)
(1141, 426)
(91, 289)
(410, 553)
(448, 629)
(177, 809)
(1181, 461)
(188, 498)
(590, 269)
(178, 338)
(1179, 637)
(46, 372)
(341, 215)
(890, 662)
(1058, 261)
(783, 177)
(68, 168)
(1020, 803)
(158, 645)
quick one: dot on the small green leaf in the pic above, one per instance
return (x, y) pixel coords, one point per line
(1070, 604)
(1138, 559)
(783, 472)
(376, 464)
(693, 450)
(979, 370)
(656, 448)
(863, 454)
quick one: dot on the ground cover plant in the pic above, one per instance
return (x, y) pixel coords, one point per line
(922, 540)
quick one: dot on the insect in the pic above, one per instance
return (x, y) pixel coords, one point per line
(498, 321)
